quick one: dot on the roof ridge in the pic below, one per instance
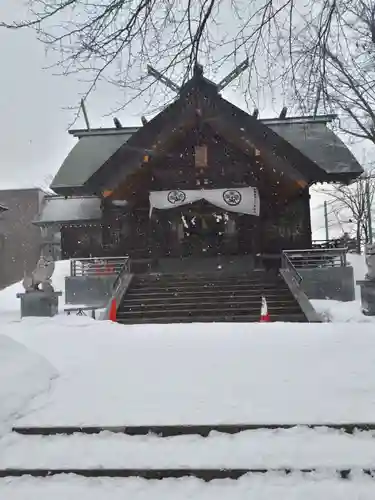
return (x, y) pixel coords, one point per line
(127, 129)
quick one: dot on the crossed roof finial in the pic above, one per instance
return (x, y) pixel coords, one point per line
(198, 70)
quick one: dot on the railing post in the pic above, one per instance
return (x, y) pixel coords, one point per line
(344, 259)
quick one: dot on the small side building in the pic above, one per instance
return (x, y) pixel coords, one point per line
(80, 217)
(20, 240)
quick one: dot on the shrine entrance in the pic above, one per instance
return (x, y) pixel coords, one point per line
(201, 230)
(207, 233)
(199, 223)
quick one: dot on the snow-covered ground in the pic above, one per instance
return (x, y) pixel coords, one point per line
(272, 486)
(81, 371)
(112, 374)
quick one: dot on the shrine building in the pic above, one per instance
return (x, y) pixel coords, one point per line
(203, 179)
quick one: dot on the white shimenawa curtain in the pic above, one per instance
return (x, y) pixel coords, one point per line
(241, 200)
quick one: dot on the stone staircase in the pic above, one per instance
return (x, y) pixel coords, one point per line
(106, 451)
(207, 297)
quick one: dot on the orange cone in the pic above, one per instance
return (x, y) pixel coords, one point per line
(113, 311)
(264, 316)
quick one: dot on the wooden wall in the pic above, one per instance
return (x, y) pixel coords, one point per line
(284, 220)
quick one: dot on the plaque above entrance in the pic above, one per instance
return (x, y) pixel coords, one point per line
(241, 200)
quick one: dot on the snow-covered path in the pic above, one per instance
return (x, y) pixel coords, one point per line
(201, 374)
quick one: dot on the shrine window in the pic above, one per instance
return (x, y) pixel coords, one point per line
(201, 156)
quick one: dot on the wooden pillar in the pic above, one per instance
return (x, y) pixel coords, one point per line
(307, 216)
(153, 235)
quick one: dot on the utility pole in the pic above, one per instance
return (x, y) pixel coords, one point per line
(326, 220)
(369, 217)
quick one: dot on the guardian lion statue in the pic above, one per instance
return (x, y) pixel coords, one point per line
(40, 278)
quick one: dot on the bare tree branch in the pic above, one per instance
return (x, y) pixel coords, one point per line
(322, 53)
(350, 205)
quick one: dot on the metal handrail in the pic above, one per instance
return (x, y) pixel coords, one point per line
(119, 287)
(98, 266)
(286, 264)
(293, 280)
(125, 269)
(317, 257)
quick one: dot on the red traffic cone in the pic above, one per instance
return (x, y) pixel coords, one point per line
(113, 311)
(264, 316)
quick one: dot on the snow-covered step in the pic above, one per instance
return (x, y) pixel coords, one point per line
(183, 430)
(260, 487)
(296, 448)
(179, 473)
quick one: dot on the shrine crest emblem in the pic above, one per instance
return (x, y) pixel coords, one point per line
(176, 196)
(232, 197)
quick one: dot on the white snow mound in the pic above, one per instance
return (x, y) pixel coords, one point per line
(23, 375)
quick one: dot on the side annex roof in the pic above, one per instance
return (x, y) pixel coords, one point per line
(88, 155)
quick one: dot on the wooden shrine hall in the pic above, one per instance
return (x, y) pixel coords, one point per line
(203, 178)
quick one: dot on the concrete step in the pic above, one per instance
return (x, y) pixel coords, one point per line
(210, 288)
(212, 275)
(233, 318)
(199, 284)
(193, 301)
(203, 310)
(259, 277)
(217, 294)
(209, 280)
(169, 308)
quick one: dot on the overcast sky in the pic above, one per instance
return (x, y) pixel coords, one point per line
(34, 101)
(34, 104)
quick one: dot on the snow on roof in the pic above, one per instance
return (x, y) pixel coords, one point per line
(5, 188)
(88, 155)
(308, 134)
(318, 143)
(59, 209)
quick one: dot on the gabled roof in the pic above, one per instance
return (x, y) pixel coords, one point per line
(301, 147)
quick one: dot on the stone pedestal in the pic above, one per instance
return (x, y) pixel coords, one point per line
(39, 303)
(367, 296)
